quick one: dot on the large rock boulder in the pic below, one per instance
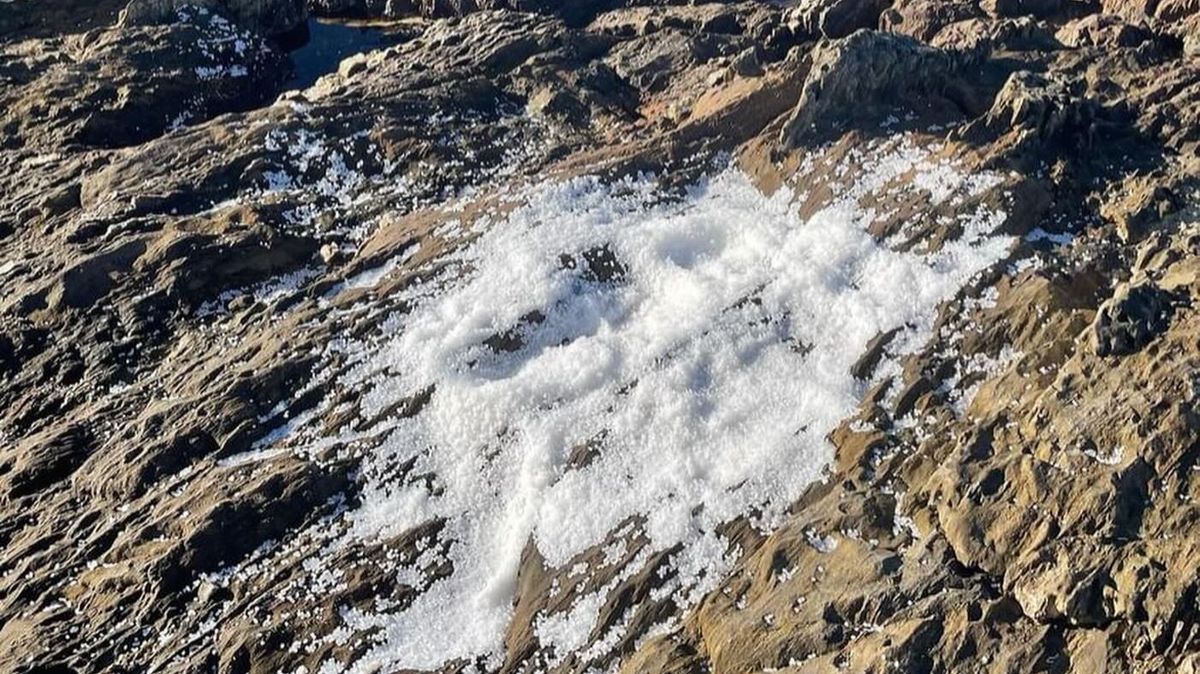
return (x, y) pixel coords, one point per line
(1102, 30)
(1013, 8)
(133, 83)
(268, 17)
(1037, 111)
(868, 68)
(835, 18)
(574, 12)
(923, 19)
(982, 36)
(1134, 316)
(1176, 11)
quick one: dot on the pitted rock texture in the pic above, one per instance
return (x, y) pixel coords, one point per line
(181, 239)
(268, 17)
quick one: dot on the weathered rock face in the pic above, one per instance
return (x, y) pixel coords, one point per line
(836, 18)
(923, 19)
(136, 82)
(848, 77)
(573, 12)
(1131, 319)
(1044, 112)
(1100, 30)
(186, 251)
(1021, 7)
(47, 19)
(268, 17)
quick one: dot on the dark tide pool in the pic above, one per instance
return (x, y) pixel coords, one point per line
(318, 47)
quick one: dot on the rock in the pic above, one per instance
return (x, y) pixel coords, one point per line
(1015, 8)
(1037, 111)
(1176, 12)
(923, 19)
(835, 18)
(1139, 204)
(45, 460)
(181, 418)
(330, 253)
(267, 17)
(60, 201)
(883, 68)
(138, 82)
(380, 9)
(50, 19)
(1191, 38)
(865, 366)
(1100, 30)
(982, 37)
(1181, 19)
(1131, 319)
(553, 102)
(747, 64)
(1131, 10)
(575, 13)
(1065, 586)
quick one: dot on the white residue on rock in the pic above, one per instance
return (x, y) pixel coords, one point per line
(708, 340)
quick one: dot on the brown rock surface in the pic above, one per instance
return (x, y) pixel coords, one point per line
(181, 241)
(923, 19)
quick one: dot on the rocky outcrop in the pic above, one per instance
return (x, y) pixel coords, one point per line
(865, 76)
(187, 250)
(835, 18)
(924, 19)
(1132, 318)
(267, 17)
(1012, 8)
(136, 82)
(575, 13)
(1043, 112)
(1100, 30)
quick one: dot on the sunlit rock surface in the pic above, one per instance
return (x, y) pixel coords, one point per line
(572, 337)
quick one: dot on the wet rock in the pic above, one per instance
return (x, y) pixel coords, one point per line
(598, 265)
(129, 85)
(45, 19)
(574, 13)
(267, 17)
(383, 9)
(865, 366)
(1131, 319)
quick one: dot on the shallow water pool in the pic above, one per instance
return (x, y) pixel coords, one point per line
(324, 44)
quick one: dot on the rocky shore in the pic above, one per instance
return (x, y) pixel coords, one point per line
(546, 336)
